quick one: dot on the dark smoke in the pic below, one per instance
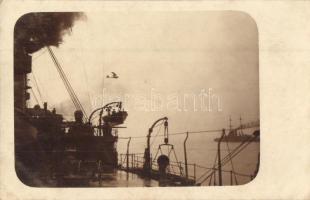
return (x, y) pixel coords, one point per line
(33, 31)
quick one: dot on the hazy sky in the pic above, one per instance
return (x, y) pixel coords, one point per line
(171, 54)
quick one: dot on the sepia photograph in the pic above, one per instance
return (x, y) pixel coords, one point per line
(136, 99)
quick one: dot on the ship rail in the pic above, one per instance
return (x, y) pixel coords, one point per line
(187, 172)
(136, 160)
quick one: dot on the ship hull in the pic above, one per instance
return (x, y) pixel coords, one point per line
(236, 139)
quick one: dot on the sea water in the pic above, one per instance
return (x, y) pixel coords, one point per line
(202, 150)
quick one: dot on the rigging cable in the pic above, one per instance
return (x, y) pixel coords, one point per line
(214, 171)
(37, 85)
(65, 80)
(87, 86)
(35, 97)
(179, 133)
(223, 160)
(239, 150)
(236, 151)
(156, 133)
(63, 76)
(68, 86)
(34, 58)
(61, 73)
(102, 89)
(209, 169)
(231, 162)
(241, 146)
(215, 167)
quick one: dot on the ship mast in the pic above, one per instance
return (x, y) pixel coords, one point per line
(230, 126)
(240, 119)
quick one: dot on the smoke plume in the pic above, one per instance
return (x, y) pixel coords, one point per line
(33, 31)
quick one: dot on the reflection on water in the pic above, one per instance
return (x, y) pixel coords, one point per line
(123, 179)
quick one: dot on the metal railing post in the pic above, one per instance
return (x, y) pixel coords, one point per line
(151, 165)
(231, 178)
(185, 156)
(195, 172)
(127, 153)
(219, 157)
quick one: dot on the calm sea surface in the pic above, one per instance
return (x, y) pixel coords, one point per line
(202, 150)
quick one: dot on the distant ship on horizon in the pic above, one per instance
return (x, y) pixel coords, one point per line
(233, 136)
(237, 134)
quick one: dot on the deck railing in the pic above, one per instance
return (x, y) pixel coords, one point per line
(135, 161)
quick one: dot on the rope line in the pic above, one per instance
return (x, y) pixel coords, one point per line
(157, 133)
(37, 85)
(87, 86)
(67, 84)
(231, 161)
(179, 133)
(35, 97)
(234, 153)
(61, 73)
(34, 58)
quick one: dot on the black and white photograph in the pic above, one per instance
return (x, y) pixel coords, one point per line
(154, 100)
(136, 99)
